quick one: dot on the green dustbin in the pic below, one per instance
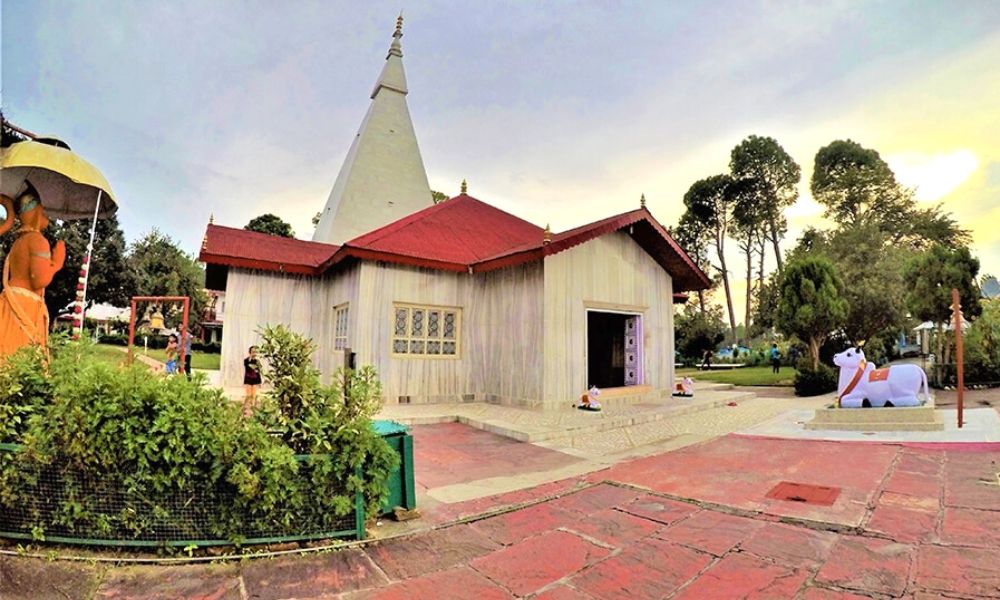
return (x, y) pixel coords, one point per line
(402, 492)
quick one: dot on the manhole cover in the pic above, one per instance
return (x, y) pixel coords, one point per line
(804, 493)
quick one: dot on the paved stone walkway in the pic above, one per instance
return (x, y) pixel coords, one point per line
(914, 522)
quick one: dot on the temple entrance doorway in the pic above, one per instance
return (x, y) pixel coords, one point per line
(613, 349)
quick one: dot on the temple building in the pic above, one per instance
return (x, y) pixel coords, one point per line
(457, 301)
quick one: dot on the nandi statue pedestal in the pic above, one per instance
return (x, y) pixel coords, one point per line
(888, 398)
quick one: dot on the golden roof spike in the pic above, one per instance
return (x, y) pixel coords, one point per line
(211, 218)
(547, 239)
(642, 201)
(465, 187)
(399, 24)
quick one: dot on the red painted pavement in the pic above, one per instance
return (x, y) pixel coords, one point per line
(450, 453)
(923, 524)
(738, 471)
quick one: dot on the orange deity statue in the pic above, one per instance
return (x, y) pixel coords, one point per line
(27, 271)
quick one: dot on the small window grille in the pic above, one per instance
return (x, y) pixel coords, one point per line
(426, 331)
(340, 327)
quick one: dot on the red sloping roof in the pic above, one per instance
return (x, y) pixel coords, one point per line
(646, 230)
(460, 231)
(460, 234)
(233, 247)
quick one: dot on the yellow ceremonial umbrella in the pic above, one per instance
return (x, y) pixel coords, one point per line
(68, 186)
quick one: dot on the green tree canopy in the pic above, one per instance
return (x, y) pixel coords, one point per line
(160, 268)
(699, 331)
(709, 204)
(110, 279)
(812, 303)
(856, 186)
(931, 277)
(871, 268)
(774, 178)
(270, 224)
(694, 237)
(438, 197)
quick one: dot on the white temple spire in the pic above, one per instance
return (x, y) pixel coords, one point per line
(383, 177)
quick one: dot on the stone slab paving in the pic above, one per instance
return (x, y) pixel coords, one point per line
(980, 425)
(913, 522)
(450, 453)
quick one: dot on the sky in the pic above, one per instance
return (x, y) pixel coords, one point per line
(558, 112)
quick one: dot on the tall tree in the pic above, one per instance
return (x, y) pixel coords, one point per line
(270, 224)
(776, 177)
(694, 237)
(812, 304)
(857, 187)
(160, 268)
(110, 279)
(709, 203)
(750, 224)
(931, 277)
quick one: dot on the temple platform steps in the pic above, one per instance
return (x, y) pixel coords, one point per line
(915, 418)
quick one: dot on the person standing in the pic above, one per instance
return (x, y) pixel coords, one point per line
(186, 344)
(251, 380)
(171, 355)
(775, 359)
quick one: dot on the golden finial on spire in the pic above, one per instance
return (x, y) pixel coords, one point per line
(548, 235)
(465, 187)
(642, 201)
(399, 24)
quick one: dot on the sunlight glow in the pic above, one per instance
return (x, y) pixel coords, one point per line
(934, 176)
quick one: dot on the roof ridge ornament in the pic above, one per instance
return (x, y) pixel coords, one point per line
(547, 239)
(395, 49)
(465, 187)
(642, 201)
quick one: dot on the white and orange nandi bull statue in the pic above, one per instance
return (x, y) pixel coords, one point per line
(862, 385)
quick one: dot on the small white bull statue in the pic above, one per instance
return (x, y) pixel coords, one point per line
(860, 381)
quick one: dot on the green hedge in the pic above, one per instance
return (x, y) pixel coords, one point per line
(813, 383)
(164, 437)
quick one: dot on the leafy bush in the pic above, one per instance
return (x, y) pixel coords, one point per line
(982, 345)
(333, 421)
(699, 332)
(154, 439)
(813, 383)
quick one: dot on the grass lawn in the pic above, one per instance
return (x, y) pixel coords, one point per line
(199, 360)
(110, 354)
(742, 376)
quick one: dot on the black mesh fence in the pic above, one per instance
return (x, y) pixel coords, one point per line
(55, 503)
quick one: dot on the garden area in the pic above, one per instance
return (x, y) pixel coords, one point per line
(744, 376)
(882, 271)
(96, 452)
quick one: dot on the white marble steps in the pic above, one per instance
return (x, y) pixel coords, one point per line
(916, 418)
(529, 425)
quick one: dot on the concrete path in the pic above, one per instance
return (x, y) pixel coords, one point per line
(915, 522)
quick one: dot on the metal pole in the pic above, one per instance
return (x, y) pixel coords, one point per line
(187, 334)
(131, 332)
(86, 263)
(958, 351)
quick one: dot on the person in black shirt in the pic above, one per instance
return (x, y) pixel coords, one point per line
(251, 380)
